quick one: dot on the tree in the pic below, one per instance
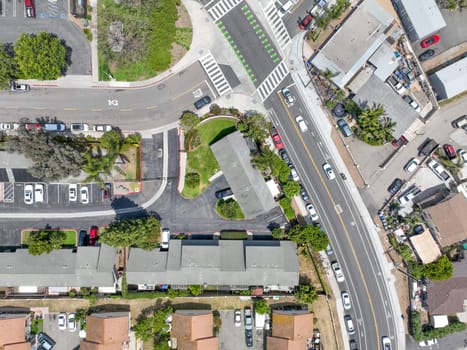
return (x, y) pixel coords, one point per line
(256, 126)
(195, 289)
(277, 233)
(41, 242)
(229, 209)
(291, 188)
(280, 169)
(189, 120)
(440, 269)
(309, 234)
(306, 294)
(41, 56)
(142, 233)
(8, 67)
(144, 329)
(262, 307)
(374, 127)
(264, 160)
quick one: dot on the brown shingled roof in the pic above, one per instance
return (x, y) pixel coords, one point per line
(106, 331)
(290, 330)
(193, 330)
(12, 329)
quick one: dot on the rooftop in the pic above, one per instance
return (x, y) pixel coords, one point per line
(12, 331)
(451, 80)
(290, 330)
(193, 330)
(108, 330)
(426, 247)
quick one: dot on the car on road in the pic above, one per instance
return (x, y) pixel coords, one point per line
(276, 138)
(463, 155)
(39, 193)
(84, 194)
(93, 235)
(345, 128)
(338, 271)
(29, 8)
(14, 86)
(353, 344)
(285, 156)
(288, 97)
(430, 41)
(107, 191)
(249, 338)
(412, 103)
(312, 211)
(460, 122)
(386, 343)
(396, 84)
(28, 194)
(328, 171)
(224, 194)
(248, 318)
(165, 238)
(412, 165)
(72, 322)
(237, 318)
(102, 127)
(428, 342)
(79, 127)
(61, 321)
(293, 173)
(304, 193)
(449, 151)
(395, 186)
(72, 192)
(426, 55)
(349, 324)
(301, 123)
(346, 300)
(305, 22)
(203, 101)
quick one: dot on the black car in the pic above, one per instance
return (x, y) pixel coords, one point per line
(426, 55)
(285, 156)
(202, 102)
(82, 241)
(249, 338)
(223, 194)
(353, 345)
(45, 342)
(395, 186)
(304, 193)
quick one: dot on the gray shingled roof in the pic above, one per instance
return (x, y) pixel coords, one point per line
(248, 185)
(217, 262)
(87, 267)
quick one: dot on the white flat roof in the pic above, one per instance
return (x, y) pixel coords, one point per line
(424, 16)
(451, 80)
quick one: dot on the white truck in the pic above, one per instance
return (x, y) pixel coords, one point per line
(438, 169)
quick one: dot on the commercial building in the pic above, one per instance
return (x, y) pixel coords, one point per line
(451, 80)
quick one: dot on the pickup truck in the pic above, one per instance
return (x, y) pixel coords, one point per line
(438, 169)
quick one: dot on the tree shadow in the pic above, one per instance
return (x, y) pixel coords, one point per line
(68, 53)
(192, 306)
(149, 311)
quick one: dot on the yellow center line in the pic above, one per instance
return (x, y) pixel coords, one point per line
(188, 90)
(324, 183)
(151, 107)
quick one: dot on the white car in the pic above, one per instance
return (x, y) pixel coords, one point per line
(28, 194)
(165, 238)
(39, 193)
(312, 211)
(301, 123)
(338, 272)
(72, 322)
(386, 343)
(428, 342)
(293, 173)
(72, 192)
(329, 250)
(288, 97)
(412, 165)
(328, 171)
(62, 322)
(9, 126)
(102, 127)
(79, 127)
(238, 318)
(346, 300)
(463, 154)
(84, 194)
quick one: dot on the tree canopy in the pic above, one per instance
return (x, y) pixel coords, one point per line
(262, 307)
(306, 294)
(374, 127)
(41, 56)
(189, 120)
(255, 126)
(41, 242)
(309, 234)
(291, 188)
(154, 327)
(8, 67)
(141, 233)
(440, 269)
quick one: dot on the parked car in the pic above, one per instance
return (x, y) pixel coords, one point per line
(28, 194)
(102, 127)
(396, 84)
(72, 322)
(293, 173)
(61, 321)
(401, 141)
(312, 211)
(45, 342)
(79, 127)
(93, 235)
(430, 41)
(9, 126)
(407, 74)
(165, 238)
(438, 169)
(463, 155)
(345, 128)
(107, 191)
(72, 192)
(329, 250)
(82, 239)
(202, 102)
(39, 193)
(409, 195)
(14, 86)
(346, 300)
(386, 343)
(288, 97)
(460, 122)
(276, 138)
(338, 271)
(328, 171)
(224, 194)
(428, 342)
(237, 318)
(31, 126)
(412, 103)
(305, 22)
(395, 186)
(249, 338)
(248, 318)
(353, 344)
(285, 156)
(449, 151)
(84, 195)
(304, 193)
(412, 165)
(54, 127)
(29, 8)
(426, 55)
(301, 123)
(428, 147)
(349, 324)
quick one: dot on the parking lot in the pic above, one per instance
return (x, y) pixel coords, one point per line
(231, 337)
(65, 339)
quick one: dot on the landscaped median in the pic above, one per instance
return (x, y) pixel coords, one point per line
(44, 240)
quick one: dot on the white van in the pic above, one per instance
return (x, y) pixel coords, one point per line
(286, 8)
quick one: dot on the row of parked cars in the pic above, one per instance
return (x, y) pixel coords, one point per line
(76, 128)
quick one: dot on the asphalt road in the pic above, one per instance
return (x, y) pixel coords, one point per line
(340, 218)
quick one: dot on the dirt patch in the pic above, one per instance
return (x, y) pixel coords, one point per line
(183, 17)
(55, 305)
(177, 53)
(307, 271)
(322, 314)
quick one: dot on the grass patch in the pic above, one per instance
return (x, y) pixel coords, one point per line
(87, 33)
(70, 237)
(201, 160)
(183, 37)
(234, 235)
(229, 209)
(37, 326)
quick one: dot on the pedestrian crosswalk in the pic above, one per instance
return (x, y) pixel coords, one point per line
(272, 81)
(221, 8)
(277, 25)
(52, 8)
(215, 74)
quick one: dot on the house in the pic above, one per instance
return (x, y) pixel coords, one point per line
(448, 220)
(108, 330)
(227, 264)
(291, 330)
(193, 330)
(449, 297)
(60, 270)
(450, 80)
(13, 331)
(425, 246)
(247, 183)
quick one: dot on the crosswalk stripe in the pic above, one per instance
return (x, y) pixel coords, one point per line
(277, 25)
(272, 81)
(215, 74)
(221, 8)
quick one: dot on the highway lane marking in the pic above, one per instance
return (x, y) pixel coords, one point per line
(39, 108)
(151, 107)
(96, 109)
(70, 109)
(324, 183)
(125, 109)
(11, 107)
(190, 90)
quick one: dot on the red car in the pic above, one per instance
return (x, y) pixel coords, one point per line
(401, 141)
(276, 138)
(31, 126)
(450, 151)
(93, 235)
(430, 41)
(305, 22)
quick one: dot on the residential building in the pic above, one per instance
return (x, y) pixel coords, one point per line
(450, 80)
(107, 331)
(227, 264)
(291, 330)
(425, 247)
(193, 330)
(448, 220)
(247, 183)
(13, 331)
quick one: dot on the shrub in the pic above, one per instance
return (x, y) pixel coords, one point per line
(192, 180)
(287, 208)
(229, 209)
(195, 289)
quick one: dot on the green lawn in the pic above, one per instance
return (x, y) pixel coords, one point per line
(69, 241)
(202, 160)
